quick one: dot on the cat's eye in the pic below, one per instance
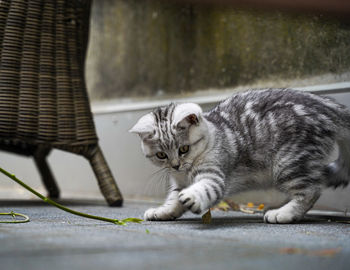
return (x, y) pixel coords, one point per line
(184, 149)
(161, 155)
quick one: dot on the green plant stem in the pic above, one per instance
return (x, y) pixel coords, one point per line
(115, 221)
(12, 214)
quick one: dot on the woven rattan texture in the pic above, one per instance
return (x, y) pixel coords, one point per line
(43, 98)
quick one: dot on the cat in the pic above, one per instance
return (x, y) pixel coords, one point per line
(258, 139)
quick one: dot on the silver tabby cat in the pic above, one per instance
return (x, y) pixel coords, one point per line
(272, 138)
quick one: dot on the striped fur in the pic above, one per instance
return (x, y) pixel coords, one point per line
(272, 138)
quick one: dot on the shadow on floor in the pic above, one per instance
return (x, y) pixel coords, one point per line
(222, 222)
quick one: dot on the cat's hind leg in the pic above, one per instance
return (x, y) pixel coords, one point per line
(294, 210)
(302, 184)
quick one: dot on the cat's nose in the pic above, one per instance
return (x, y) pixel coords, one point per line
(176, 167)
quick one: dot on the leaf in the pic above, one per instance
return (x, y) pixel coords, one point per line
(226, 205)
(119, 222)
(326, 252)
(321, 252)
(250, 205)
(291, 251)
(134, 220)
(246, 210)
(261, 206)
(223, 206)
(206, 218)
(234, 206)
(250, 208)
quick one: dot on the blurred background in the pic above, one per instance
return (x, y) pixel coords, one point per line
(162, 48)
(143, 54)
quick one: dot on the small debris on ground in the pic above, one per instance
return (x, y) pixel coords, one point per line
(223, 206)
(249, 208)
(321, 252)
(261, 206)
(250, 205)
(253, 208)
(206, 218)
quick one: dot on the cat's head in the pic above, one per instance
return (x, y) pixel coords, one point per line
(173, 136)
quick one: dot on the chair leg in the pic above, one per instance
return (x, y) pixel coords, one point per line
(45, 172)
(105, 179)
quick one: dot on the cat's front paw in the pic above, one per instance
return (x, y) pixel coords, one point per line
(161, 213)
(280, 215)
(191, 201)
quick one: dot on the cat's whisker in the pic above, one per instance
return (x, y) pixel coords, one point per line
(158, 171)
(155, 183)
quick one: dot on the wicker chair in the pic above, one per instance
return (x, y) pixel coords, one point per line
(43, 98)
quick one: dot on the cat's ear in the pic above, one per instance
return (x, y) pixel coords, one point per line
(144, 126)
(186, 114)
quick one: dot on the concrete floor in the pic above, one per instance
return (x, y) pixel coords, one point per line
(54, 239)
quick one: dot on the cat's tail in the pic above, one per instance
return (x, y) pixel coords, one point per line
(338, 172)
